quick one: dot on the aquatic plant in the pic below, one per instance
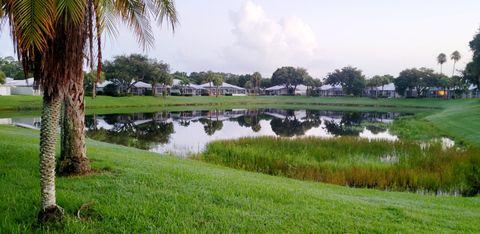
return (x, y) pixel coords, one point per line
(399, 165)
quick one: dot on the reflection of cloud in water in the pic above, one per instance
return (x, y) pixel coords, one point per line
(386, 135)
(193, 139)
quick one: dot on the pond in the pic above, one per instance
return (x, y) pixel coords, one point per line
(185, 132)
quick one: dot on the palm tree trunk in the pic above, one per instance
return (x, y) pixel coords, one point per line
(73, 159)
(454, 63)
(94, 90)
(48, 137)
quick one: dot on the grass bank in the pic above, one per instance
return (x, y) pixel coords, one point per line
(144, 192)
(354, 162)
(15, 103)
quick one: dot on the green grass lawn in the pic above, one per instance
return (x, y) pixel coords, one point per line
(145, 192)
(15, 103)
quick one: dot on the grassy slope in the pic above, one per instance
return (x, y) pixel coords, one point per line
(460, 120)
(147, 193)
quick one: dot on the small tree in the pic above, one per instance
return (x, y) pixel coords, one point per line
(256, 79)
(217, 81)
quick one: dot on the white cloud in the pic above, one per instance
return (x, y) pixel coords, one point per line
(263, 44)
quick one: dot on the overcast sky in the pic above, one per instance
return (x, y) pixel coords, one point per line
(240, 36)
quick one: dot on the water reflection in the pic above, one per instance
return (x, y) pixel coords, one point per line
(189, 131)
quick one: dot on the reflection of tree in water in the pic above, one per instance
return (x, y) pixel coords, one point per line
(251, 119)
(350, 125)
(211, 126)
(126, 132)
(290, 126)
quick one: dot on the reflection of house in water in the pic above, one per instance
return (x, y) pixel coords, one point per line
(27, 122)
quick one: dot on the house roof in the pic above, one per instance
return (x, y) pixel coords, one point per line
(327, 87)
(472, 87)
(103, 84)
(25, 83)
(177, 82)
(276, 87)
(387, 87)
(140, 84)
(280, 87)
(224, 85)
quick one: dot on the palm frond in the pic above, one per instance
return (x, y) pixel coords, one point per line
(71, 11)
(31, 23)
(133, 12)
(164, 10)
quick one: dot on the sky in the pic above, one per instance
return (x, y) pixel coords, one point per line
(244, 36)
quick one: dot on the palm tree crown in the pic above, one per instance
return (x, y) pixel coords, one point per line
(441, 59)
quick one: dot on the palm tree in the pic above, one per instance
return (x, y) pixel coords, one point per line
(257, 78)
(441, 59)
(50, 38)
(136, 14)
(455, 56)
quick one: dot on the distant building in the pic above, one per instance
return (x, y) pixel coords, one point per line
(387, 91)
(224, 89)
(140, 88)
(23, 87)
(186, 89)
(331, 91)
(473, 91)
(280, 90)
(5, 90)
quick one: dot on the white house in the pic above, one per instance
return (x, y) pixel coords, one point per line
(139, 88)
(224, 89)
(474, 91)
(5, 90)
(387, 91)
(23, 87)
(186, 89)
(331, 90)
(279, 90)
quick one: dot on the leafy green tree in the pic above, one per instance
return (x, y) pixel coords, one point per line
(377, 81)
(350, 78)
(290, 77)
(441, 59)
(472, 70)
(312, 84)
(455, 56)
(416, 79)
(12, 68)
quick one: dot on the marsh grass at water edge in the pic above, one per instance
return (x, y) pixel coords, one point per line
(386, 165)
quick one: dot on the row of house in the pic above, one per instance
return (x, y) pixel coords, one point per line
(180, 88)
(26, 87)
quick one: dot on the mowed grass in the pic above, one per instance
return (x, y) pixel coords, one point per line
(142, 192)
(461, 121)
(15, 103)
(399, 166)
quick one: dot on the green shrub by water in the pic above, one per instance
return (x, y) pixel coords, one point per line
(399, 165)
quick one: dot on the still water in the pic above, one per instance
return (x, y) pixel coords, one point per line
(186, 132)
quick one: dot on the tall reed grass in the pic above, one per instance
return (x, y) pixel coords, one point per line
(355, 162)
